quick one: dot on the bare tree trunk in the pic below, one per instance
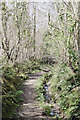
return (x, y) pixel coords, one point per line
(49, 19)
(18, 34)
(5, 44)
(34, 26)
(79, 39)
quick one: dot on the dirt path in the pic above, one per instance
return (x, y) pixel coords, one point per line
(30, 109)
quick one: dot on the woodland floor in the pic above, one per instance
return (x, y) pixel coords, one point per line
(30, 110)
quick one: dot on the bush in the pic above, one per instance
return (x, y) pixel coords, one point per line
(10, 91)
(64, 88)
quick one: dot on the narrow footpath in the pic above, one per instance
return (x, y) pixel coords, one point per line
(30, 110)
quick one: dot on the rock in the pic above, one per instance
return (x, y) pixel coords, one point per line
(48, 60)
(52, 114)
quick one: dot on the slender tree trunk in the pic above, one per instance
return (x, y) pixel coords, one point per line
(49, 18)
(34, 26)
(79, 39)
(5, 44)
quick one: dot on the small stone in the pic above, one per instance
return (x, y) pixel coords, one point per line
(52, 114)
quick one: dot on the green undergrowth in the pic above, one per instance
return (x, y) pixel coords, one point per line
(12, 79)
(64, 88)
(39, 90)
(11, 91)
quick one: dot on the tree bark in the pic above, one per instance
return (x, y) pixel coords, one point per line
(34, 26)
(79, 38)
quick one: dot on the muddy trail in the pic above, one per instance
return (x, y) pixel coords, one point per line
(30, 110)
